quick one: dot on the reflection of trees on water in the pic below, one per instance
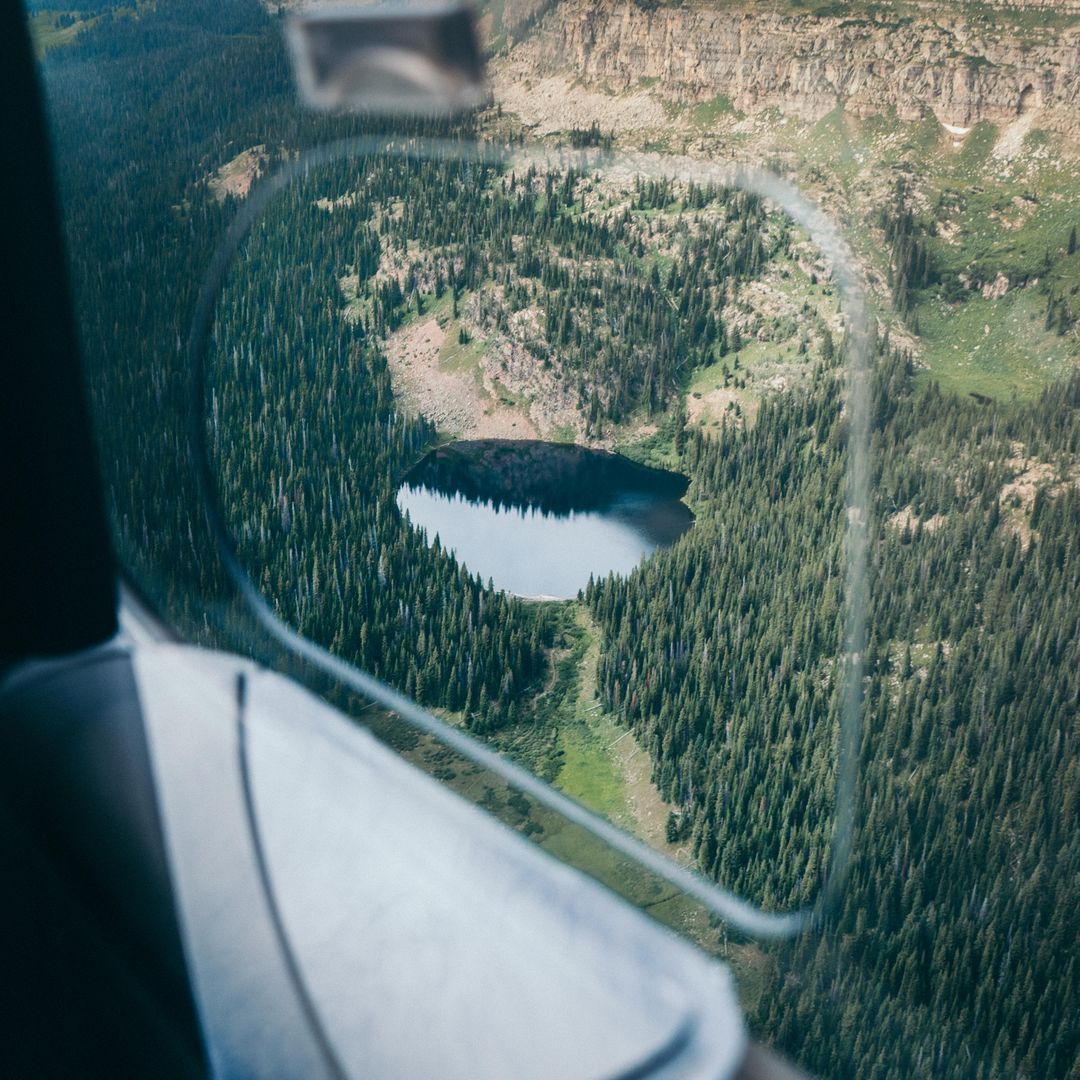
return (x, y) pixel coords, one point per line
(550, 478)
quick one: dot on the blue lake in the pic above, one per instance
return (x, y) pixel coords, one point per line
(538, 519)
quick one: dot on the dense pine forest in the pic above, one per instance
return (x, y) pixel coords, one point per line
(311, 448)
(950, 954)
(957, 929)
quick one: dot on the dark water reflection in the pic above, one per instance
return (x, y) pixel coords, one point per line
(538, 518)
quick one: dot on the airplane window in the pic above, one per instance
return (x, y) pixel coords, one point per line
(553, 422)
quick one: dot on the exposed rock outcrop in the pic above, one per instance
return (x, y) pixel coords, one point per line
(806, 64)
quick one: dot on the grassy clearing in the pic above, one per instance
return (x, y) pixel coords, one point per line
(578, 746)
(589, 773)
(509, 399)
(48, 33)
(994, 215)
(743, 377)
(706, 114)
(431, 307)
(570, 740)
(589, 770)
(657, 449)
(1015, 224)
(994, 347)
(712, 392)
(460, 358)
(974, 155)
(587, 735)
(834, 147)
(1009, 225)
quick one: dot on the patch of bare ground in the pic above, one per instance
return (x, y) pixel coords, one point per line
(458, 402)
(559, 103)
(1028, 477)
(1011, 140)
(646, 805)
(920, 656)
(492, 385)
(906, 518)
(706, 406)
(949, 231)
(1017, 497)
(237, 175)
(1016, 216)
(509, 363)
(330, 205)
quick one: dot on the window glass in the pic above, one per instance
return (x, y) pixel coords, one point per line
(558, 447)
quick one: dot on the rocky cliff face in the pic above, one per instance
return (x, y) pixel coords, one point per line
(806, 64)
